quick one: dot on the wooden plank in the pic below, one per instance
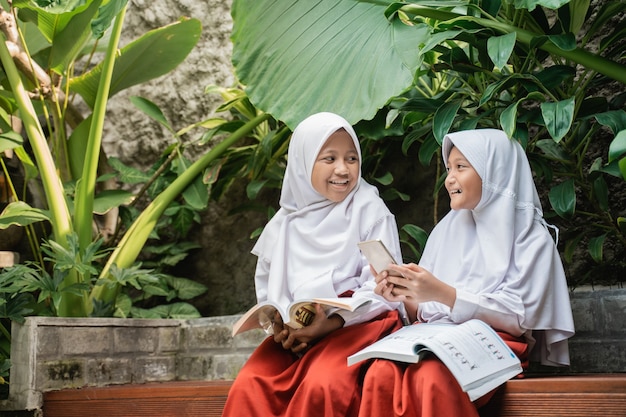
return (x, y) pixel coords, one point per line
(591, 383)
(560, 396)
(172, 399)
(545, 396)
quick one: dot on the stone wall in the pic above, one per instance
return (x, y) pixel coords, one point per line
(59, 353)
(50, 353)
(600, 321)
(138, 141)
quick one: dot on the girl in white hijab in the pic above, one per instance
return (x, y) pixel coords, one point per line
(491, 257)
(309, 249)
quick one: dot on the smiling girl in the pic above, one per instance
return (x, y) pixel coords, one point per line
(491, 258)
(309, 249)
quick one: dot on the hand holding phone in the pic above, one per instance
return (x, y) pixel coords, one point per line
(377, 255)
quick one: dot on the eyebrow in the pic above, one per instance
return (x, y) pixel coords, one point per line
(457, 159)
(333, 150)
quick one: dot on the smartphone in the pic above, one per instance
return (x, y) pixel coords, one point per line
(377, 255)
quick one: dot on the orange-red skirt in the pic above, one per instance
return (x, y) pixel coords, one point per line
(275, 382)
(424, 389)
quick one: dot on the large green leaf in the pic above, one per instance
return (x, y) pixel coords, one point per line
(617, 148)
(10, 140)
(614, 119)
(50, 21)
(154, 54)
(68, 43)
(444, 118)
(563, 199)
(65, 27)
(108, 199)
(301, 57)
(51, 6)
(595, 247)
(531, 4)
(21, 214)
(500, 48)
(558, 117)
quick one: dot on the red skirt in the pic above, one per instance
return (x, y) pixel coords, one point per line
(275, 382)
(424, 389)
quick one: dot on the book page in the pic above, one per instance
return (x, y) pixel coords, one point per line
(252, 318)
(346, 303)
(295, 317)
(475, 354)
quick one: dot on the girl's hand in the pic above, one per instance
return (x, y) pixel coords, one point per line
(281, 332)
(299, 340)
(418, 285)
(385, 288)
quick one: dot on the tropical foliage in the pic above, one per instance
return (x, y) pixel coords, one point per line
(550, 73)
(96, 249)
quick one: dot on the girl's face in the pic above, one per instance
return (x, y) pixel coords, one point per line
(336, 169)
(463, 182)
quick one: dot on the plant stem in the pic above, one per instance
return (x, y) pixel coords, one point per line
(59, 212)
(86, 186)
(134, 239)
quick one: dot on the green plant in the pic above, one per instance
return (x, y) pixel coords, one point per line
(520, 66)
(75, 272)
(68, 156)
(523, 70)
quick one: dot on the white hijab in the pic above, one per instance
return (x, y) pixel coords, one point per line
(502, 249)
(311, 242)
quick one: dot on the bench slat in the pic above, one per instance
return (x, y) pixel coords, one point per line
(558, 396)
(168, 399)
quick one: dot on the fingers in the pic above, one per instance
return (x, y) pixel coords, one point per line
(300, 348)
(280, 334)
(293, 344)
(379, 277)
(380, 287)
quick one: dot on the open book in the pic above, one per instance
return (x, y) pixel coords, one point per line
(298, 314)
(475, 354)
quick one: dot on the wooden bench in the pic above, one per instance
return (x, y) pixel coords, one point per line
(165, 399)
(554, 396)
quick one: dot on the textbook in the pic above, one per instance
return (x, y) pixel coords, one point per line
(473, 352)
(297, 315)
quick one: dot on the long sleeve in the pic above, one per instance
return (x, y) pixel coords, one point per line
(261, 278)
(489, 308)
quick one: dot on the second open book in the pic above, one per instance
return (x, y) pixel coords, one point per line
(473, 352)
(296, 315)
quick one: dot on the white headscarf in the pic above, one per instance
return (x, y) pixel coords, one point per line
(502, 250)
(311, 242)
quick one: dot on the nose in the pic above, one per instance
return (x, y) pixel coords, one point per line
(341, 167)
(449, 179)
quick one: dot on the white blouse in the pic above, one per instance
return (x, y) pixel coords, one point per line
(309, 248)
(500, 256)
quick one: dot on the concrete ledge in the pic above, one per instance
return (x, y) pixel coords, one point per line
(50, 353)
